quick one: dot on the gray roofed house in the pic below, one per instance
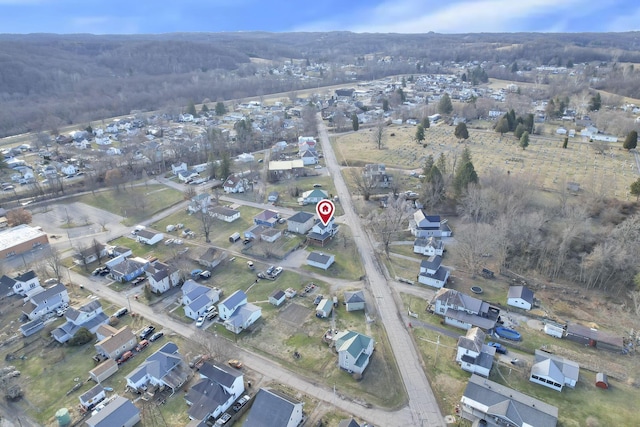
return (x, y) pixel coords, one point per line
(272, 408)
(354, 300)
(277, 297)
(554, 371)
(46, 301)
(211, 258)
(432, 273)
(348, 423)
(219, 386)
(244, 316)
(520, 296)
(499, 405)
(231, 303)
(464, 311)
(32, 327)
(120, 412)
(300, 222)
(320, 260)
(92, 397)
(164, 367)
(473, 354)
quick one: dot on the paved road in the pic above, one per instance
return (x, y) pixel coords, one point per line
(422, 403)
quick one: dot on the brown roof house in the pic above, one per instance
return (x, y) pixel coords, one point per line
(114, 345)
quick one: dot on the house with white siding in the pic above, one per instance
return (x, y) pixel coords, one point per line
(473, 355)
(354, 350)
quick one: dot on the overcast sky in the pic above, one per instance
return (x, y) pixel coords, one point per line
(381, 16)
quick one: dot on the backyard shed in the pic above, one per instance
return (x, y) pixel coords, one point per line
(602, 381)
(234, 237)
(104, 370)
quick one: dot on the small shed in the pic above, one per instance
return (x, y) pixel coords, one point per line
(277, 297)
(104, 370)
(234, 237)
(324, 308)
(602, 381)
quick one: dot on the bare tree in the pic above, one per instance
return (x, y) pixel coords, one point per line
(201, 211)
(213, 346)
(364, 184)
(473, 241)
(53, 262)
(391, 221)
(378, 134)
(97, 250)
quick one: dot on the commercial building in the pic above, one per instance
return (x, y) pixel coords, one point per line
(20, 239)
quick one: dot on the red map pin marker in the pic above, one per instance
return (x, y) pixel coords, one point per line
(325, 209)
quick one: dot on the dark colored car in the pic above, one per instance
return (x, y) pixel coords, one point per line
(147, 331)
(156, 336)
(317, 300)
(499, 347)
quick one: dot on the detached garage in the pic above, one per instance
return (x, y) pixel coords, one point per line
(521, 297)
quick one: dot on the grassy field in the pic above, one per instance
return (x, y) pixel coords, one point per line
(544, 161)
(347, 263)
(135, 204)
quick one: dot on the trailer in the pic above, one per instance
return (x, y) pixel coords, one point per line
(554, 329)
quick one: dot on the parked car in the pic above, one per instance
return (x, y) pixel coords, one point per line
(123, 311)
(276, 272)
(61, 311)
(156, 336)
(317, 185)
(142, 345)
(317, 300)
(200, 322)
(205, 274)
(147, 331)
(211, 315)
(235, 363)
(195, 273)
(240, 403)
(270, 270)
(125, 356)
(223, 419)
(499, 347)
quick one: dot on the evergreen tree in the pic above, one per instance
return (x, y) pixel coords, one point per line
(191, 109)
(225, 164)
(404, 82)
(502, 126)
(565, 143)
(524, 140)
(442, 164)
(631, 141)
(596, 102)
(420, 134)
(445, 106)
(635, 188)
(520, 129)
(204, 110)
(528, 123)
(569, 63)
(511, 117)
(220, 109)
(461, 131)
(354, 122)
(464, 77)
(385, 105)
(428, 165)
(514, 67)
(426, 123)
(466, 175)
(402, 95)
(465, 157)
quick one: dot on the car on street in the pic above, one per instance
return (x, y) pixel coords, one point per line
(123, 311)
(156, 336)
(146, 332)
(499, 347)
(235, 363)
(200, 322)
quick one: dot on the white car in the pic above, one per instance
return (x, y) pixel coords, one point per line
(200, 322)
(277, 271)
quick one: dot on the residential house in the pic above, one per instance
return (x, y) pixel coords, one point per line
(105, 330)
(432, 273)
(46, 301)
(25, 284)
(354, 350)
(119, 412)
(179, 167)
(104, 370)
(92, 397)
(162, 277)
(165, 367)
(224, 214)
(376, 174)
(463, 311)
(320, 260)
(324, 308)
(255, 231)
(473, 354)
(197, 298)
(31, 327)
(423, 225)
(270, 235)
(321, 234)
(68, 170)
(91, 254)
(267, 218)
(237, 314)
(89, 316)
(309, 157)
(348, 423)
(149, 237)
(354, 301)
(233, 184)
(188, 175)
(116, 344)
(312, 197)
(520, 296)
(211, 258)
(199, 203)
(428, 246)
(554, 371)
(496, 405)
(219, 386)
(277, 297)
(300, 222)
(273, 408)
(128, 269)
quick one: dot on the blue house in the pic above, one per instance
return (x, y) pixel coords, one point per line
(267, 218)
(128, 269)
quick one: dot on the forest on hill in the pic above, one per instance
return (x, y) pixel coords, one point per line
(48, 81)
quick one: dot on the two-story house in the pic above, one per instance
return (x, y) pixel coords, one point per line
(473, 354)
(354, 350)
(432, 273)
(25, 284)
(90, 254)
(237, 313)
(197, 298)
(300, 223)
(423, 225)
(166, 367)
(464, 311)
(199, 203)
(376, 175)
(219, 386)
(321, 234)
(46, 301)
(428, 246)
(114, 345)
(89, 316)
(162, 277)
(233, 184)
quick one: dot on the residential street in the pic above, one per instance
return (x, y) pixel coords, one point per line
(422, 403)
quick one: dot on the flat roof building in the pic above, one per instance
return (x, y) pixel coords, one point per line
(20, 239)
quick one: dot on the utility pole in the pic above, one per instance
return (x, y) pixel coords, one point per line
(437, 348)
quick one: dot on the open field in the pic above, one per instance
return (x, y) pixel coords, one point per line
(544, 161)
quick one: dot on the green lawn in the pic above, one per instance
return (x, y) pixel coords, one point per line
(347, 263)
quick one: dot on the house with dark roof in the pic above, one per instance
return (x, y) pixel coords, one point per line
(90, 254)
(423, 225)
(322, 234)
(354, 350)
(92, 397)
(277, 297)
(162, 277)
(300, 222)
(224, 213)
(376, 175)
(464, 311)
(149, 237)
(594, 337)
(237, 313)
(272, 408)
(119, 412)
(309, 157)
(348, 423)
(432, 273)
(320, 260)
(114, 345)
(233, 184)
(216, 390)
(89, 316)
(197, 298)
(520, 296)
(46, 301)
(268, 218)
(128, 269)
(498, 406)
(211, 258)
(429, 246)
(165, 367)
(354, 301)
(473, 354)
(25, 284)
(554, 371)
(31, 327)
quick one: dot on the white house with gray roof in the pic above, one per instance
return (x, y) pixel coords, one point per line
(197, 298)
(300, 223)
(273, 408)
(165, 367)
(92, 397)
(237, 313)
(46, 301)
(473, 354)
(498, 406)
(432, 273)
(429, 246)
(354, 301)
(119, 412)
(26, 284)
(520, 296)
(219, 386)
(464, 311)
(88, 316)
(320, 260)
(162, 277)
(554, 371)
(354, 350)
